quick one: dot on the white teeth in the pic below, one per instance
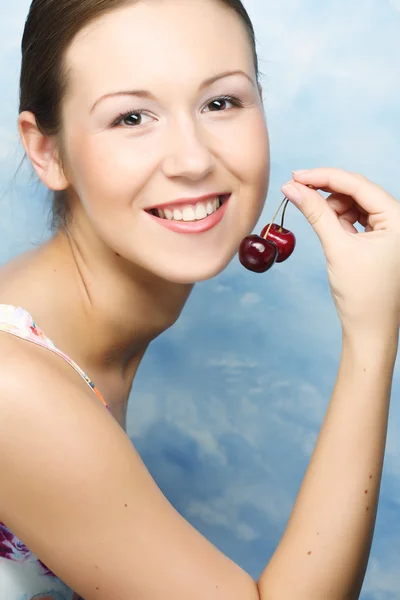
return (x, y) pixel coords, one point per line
(191, 213)
(201, 212)
(188, 214)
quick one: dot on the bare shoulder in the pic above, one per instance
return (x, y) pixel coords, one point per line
(21, 358)
(76, 492)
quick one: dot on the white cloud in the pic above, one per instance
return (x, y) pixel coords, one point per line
(232, 362)
(383, 581)
(250, 299)
(219, 288)
(207, 444)
(144, 418)
(215, 513)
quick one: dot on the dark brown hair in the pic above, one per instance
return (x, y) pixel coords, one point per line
(50, 28)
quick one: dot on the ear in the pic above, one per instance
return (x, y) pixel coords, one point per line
(42, 152)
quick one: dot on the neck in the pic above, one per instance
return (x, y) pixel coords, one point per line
(127, 306)
(103, 316)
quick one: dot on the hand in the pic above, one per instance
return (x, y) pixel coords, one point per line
(363, 268)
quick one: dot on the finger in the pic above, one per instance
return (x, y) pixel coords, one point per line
(341, 203)
(347, 225)
(348, 219)
(370, 196)
(329, 190)
(344, 206)
(320, 215)
(346, 209)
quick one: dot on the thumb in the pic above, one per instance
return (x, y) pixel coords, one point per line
(317, 211)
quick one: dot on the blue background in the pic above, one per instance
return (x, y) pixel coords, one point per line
(227, 405)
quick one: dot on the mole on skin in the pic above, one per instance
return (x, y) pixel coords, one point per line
(366, 492)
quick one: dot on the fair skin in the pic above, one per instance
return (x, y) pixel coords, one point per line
(119, 304)
(92, 512)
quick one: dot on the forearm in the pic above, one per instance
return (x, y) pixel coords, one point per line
(324, 552)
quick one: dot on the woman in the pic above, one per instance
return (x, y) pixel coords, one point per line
(146, 120)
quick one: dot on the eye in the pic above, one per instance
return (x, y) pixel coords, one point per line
(219, 104)
(135, 116)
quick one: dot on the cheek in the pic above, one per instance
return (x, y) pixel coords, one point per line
(256, 152)
(251, 164)
(250, 153)
(105, 168)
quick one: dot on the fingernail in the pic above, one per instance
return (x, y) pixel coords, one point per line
(300, 172)
(292, 193)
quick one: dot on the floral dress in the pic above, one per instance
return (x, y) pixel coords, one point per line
(22, 575)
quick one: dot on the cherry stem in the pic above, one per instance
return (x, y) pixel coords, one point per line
(283, 214)
(273, 219)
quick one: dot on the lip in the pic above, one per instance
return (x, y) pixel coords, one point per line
(194, 226)
(187, 201)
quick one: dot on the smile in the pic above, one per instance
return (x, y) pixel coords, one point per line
(191, 218)
(196, 212)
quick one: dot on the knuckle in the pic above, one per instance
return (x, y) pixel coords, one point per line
(314, 217)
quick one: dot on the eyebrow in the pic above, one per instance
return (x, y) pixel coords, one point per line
(149, 95)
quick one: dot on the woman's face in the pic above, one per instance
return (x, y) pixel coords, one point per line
(170, 59)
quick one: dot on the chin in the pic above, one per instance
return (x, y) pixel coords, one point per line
(192, 271)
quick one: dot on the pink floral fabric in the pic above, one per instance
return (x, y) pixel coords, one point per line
(23, 576)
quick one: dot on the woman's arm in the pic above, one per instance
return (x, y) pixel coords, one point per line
(76, 492)
(324, 552)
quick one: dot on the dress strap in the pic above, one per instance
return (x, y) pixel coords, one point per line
(19, 322)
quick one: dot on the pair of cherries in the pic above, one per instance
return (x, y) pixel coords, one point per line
(259, 253)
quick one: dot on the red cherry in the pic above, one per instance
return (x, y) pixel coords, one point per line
(276, 244)
(283, 238)
(257, 254)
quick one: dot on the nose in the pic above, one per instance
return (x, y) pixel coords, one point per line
(187, 154)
